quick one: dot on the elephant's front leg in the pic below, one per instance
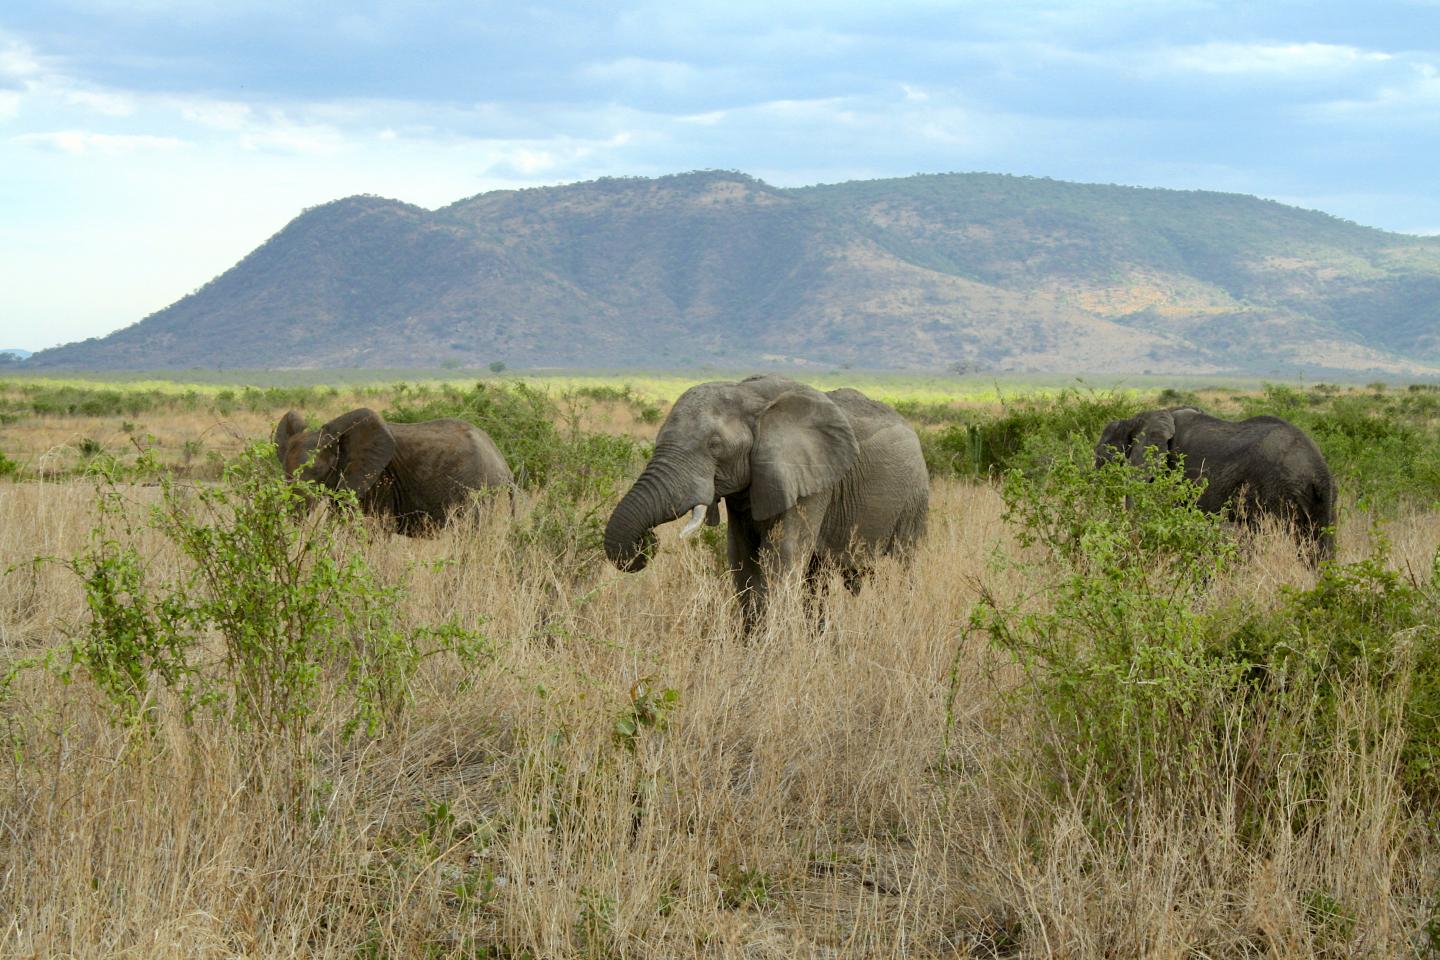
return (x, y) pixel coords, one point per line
(763, 554)
(743, 540)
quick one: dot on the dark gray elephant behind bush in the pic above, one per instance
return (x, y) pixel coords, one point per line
(1255, 467)
(810, 481)
(418, 473)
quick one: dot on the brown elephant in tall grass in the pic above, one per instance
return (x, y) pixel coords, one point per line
(417, 473)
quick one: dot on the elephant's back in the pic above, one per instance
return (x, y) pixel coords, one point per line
(494, 470)
(1279, 466)
(1280, 441)
(456, 450)
(867, 417)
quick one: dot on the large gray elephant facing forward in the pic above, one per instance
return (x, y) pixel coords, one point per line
(417, 473)
(810, 481)
(1264, 465)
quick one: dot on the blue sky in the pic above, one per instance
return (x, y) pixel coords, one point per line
(146, 146)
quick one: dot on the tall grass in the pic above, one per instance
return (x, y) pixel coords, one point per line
(1068, 745)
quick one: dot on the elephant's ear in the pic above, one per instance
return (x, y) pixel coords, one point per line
(365, 448)
(290, 424)
(1155, 429)
(803, 444)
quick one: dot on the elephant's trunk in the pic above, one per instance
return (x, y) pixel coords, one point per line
(663, 492)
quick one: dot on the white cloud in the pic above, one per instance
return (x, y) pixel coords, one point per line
(216, 114)
(529, 161)
(26, 75)
(648, 80)
(1417, 92)
(105, 102)
(670, 75)
(811, 108)
(80, 142)
(18, 60)
(709, 118)
(1267, 58)
(285, 137)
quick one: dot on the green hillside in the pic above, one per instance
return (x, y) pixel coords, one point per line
(973, 271)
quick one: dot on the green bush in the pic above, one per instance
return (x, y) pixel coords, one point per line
(1025, 435)
(299, 617)
(1117, 664)
(645, 409)
(1172, 397)
(1363, 628)
(1382, 446)
(567, 521)
(267, 399)
(519, 418)
(8, 467)
(918, 411)
(543, 444)
(24, 398)
(604, 392)
(1133, 688)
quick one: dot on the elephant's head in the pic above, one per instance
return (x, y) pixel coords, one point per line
(1130, 438)
(348, 453)
(778, 439)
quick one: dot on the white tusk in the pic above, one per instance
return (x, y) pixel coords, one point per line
(697, 517)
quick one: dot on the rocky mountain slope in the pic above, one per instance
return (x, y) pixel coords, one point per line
(980, 271)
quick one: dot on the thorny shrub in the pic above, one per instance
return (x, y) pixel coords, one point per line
(1117, 663)
(273, 614)
(982, 443)
(1363, 626)
(542, 443)
(1134, 683)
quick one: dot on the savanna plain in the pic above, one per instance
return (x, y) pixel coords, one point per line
(239, 723)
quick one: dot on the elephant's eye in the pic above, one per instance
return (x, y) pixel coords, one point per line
(715, 445)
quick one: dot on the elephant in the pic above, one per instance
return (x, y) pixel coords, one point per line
(417, 473)
(1263, 465)
(811, 481)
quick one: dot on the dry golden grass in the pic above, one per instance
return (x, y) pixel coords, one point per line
(198, 441)
(856, 791)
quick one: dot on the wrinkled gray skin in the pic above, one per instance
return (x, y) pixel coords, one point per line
(417, 473)
(1264, 465)
(810, 481)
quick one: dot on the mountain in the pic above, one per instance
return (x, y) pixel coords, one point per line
(981, 271)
